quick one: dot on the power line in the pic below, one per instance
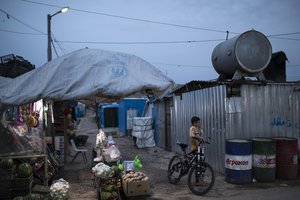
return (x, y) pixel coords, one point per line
(134, 19)
(54, 48)
(282, 34)
(141, 42)
(22, 22)
(181, 65)
(296, 65)
(281, 38)
(22, 33)
(101, 42)
(58, 43)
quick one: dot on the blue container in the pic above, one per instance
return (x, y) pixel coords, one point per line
(238, 161)
(109, 115)
(136, 106)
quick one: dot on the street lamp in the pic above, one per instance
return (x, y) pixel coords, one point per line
(49, 55)
(49, 50)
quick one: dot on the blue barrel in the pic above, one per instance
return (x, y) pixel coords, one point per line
(238, 161)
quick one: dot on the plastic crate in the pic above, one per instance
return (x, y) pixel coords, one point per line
(7, 174)
(109, 186)
(5, 189)
(21, 186)
(5, 194)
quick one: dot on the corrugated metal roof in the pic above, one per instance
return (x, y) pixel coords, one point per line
(196, 85)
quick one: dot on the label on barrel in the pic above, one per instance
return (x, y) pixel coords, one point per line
(238, 162)
(264, 161)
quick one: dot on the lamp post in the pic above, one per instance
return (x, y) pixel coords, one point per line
(49, 128)
(49, 50)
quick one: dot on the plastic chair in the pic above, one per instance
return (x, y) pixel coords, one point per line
(78, 150)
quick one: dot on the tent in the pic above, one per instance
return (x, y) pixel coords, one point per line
(86, 75)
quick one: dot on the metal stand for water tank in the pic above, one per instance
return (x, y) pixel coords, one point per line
(238, 75)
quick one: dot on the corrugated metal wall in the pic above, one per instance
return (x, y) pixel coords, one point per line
(268, 111)
(159, 123)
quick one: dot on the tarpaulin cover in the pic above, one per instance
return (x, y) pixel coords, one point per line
(83, 75)
(86, 75)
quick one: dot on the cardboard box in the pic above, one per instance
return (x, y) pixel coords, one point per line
(136, 188)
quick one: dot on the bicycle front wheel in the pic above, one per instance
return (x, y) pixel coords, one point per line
(201, 178)
(174, 169)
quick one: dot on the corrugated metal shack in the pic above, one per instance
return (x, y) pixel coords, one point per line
(162, 122)
(235, 109)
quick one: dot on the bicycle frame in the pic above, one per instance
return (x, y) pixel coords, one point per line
(197, 158)
(195, 166)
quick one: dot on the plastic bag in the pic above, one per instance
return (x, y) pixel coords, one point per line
(111, 154)
(103, 171)
(101, 139)
(110, 140)
(59, 189)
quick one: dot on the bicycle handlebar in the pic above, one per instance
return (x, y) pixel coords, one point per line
(201, 140)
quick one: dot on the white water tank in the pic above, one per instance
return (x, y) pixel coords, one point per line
(249, 52)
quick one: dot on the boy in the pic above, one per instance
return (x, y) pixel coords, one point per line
(194, 133)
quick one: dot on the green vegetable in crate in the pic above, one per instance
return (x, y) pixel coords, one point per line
(108, 188)
(24, 170)
(105, 195)
(109, 195)
(137, 163)
(7, 163)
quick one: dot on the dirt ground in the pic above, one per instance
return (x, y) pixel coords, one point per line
(155, 161)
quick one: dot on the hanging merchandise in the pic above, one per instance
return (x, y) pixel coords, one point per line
(31, 121)
(20, 120)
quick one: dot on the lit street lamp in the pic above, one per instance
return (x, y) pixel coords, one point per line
(49, 50)
(49, 128)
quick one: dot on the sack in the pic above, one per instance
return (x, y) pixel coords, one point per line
(101, 139)
(111, 154)
(103, 171)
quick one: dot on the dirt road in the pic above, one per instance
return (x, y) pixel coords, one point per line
(155, 161)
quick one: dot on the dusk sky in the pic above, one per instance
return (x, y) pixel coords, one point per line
(176, 36)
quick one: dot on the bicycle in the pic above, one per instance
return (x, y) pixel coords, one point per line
(201, 177)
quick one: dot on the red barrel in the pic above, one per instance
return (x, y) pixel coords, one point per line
(286, 157)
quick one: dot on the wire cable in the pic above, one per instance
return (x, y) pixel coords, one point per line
(17, 32)
(58, 43)
(141, 42)
(180, 65)
(18, 20)
(280, 38)
(54, 48)
(282, 34)
(134, 19)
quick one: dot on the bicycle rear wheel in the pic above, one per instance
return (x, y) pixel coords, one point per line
(174, 169)
(201, 179)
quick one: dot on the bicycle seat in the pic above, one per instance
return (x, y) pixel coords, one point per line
(183, 146)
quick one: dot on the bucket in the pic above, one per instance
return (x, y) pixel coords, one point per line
(264, 159)
(238, 161)
(286, 157)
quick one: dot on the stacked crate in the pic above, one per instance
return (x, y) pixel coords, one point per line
(6, 177)
(21, 186)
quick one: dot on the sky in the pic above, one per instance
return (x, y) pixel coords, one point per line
(176, 36)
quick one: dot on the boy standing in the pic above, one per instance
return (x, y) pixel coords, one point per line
(196, 133)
